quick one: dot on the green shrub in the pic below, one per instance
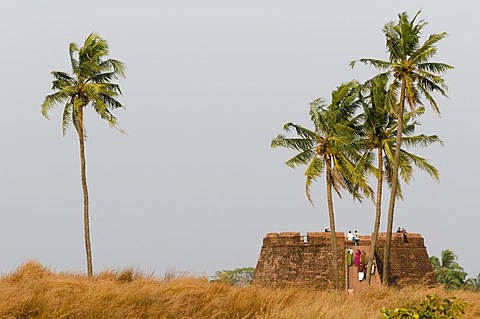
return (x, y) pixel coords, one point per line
(237, 277)
(430, 308)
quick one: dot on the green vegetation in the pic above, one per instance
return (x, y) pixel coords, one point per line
(378, 133)
(431, 308)
(237, 277)
(412, 76)
(472, 283)
(90, 85)
(450, 274)
(343, 141)
(329, 149)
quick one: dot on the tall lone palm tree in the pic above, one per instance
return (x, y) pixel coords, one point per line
(90, 84)
(328, 149)
(378, 132)
(412, 75)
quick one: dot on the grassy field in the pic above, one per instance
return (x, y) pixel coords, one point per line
(33, 291)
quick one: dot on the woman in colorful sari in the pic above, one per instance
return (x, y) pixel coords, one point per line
(358, 254)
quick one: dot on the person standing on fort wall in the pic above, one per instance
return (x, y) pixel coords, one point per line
(374, 267)
(401, 230)
(349, 257)
(405, 239)
(363, 257)
(358, 254)
(349, 236)
(363, 265)
(361, 272)
(356, 238)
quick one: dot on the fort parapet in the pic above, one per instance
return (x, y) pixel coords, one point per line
(292, 259)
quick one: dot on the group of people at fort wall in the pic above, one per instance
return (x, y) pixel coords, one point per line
(359, 260)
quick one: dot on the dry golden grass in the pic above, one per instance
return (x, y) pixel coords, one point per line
(32, 291)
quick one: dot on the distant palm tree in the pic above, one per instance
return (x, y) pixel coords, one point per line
(472, 283)
(329, 149)
(413, 76)
(90, 84)
(447, 271)
(378, 131)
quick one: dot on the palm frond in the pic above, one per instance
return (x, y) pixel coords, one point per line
(317, 114)
(77, 112)
(73, 53)
(428, 49)
(102, 77)
(426, 87)
(405, 168)
(355, 175)
(66, 117)
(423, 165)
(110, 102)
(63, 76)
(117, 66)
(55, 98)
(393, 42)
(376, 63)
(434, 67)
(302, 158)
(338, 183)
(313, 171)
(300, 130)
(421, 140)
(297, 144)
(101, 108)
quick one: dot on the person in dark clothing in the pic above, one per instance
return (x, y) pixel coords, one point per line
(405, 239)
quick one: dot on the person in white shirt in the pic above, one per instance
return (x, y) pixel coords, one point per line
(350, 236)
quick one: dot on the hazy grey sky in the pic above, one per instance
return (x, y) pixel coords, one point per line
(195, 186)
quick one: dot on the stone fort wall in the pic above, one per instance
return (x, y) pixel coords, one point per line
(292, 259)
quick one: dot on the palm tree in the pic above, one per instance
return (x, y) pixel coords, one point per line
(90, 84)
(473, 283)
(379, 134)
(328, 150)
(412, 76)
(447, 271)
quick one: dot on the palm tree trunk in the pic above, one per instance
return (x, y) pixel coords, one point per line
(378, 213)
(86, 219)
(331, 217)
(393, 191)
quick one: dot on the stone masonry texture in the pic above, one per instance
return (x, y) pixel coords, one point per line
(288, 259)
